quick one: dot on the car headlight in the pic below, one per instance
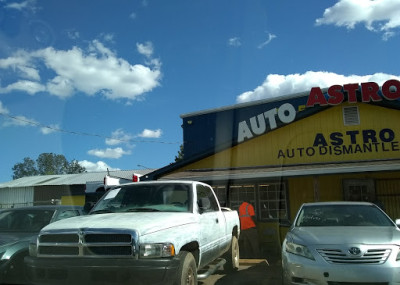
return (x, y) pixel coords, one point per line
(154, 250)
(299, 249)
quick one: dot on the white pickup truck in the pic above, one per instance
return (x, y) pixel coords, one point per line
(155, 232)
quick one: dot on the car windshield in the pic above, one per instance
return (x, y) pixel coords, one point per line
(145, 198)
(24, 220)
(342, 215)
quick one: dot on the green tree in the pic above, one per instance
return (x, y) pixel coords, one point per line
(50, 163)
(46, 164)
(75, 167)
(179, 157)
(25, 168)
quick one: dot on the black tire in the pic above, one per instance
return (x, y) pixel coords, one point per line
(187, 272)
(232, 256)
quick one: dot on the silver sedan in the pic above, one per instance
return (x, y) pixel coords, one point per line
(341, 243)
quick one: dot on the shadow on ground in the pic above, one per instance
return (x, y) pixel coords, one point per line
(254, 272)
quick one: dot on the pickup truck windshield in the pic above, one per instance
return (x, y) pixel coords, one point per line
(145, 198)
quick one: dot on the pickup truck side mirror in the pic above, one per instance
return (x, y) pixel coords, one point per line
(204, 205)
(285, 223)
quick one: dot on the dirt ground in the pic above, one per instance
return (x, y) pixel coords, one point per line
(251, 271)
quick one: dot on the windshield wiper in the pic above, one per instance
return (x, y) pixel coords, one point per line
(142, 210)
(103, 211)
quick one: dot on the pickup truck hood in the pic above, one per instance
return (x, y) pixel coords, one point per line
(144, 223)
(345, 235)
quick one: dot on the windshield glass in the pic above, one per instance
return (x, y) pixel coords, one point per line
(24, 220)
(145, 198)
(342, 215)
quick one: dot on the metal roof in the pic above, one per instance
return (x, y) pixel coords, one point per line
(70, 179)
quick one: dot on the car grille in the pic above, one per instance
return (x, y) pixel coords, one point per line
(87, 244)
(369, 256)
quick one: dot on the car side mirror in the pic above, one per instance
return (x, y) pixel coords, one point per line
(204, 205)
(397, 222)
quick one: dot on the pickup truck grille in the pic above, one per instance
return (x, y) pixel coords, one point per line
(87, 244)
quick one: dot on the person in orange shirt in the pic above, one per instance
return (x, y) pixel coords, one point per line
(249, 244)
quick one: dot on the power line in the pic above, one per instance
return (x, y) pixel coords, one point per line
(79, 133)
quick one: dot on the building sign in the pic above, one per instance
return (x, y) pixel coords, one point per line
(352, 142)
(266, 121)
(335, 95)
(370, 91)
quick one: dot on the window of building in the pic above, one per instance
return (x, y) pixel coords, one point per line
(220, 191)
(240, 193)
(351, 115)
(273, 201)
(359, 190)
(269, 199)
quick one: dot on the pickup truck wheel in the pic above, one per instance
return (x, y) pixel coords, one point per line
(187, 272)
(232, 256)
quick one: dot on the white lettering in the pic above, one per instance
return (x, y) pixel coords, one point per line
(244, 132)
(286, 114)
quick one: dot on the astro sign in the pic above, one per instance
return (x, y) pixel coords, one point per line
(336, 94)
(369, 92)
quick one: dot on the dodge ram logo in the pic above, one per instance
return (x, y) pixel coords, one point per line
(354, 250)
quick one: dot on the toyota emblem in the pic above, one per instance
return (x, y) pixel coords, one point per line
(354, 250)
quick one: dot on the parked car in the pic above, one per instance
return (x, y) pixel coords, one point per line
(155, 232)
(341, 243)
(17, 227)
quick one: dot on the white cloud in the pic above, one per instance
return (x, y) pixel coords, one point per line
(235, 42)
(114, 153)
(277, 85)
(49, 129)
(267, 41)
(3, 109)
(96, 166)
(150, 133)
(21, 121)
(145, 49)
(119, 136)
(380, 15)
(95, 71)
(132, 15)
(20, 5)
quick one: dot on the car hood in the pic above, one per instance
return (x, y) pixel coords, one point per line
(8, 238)
(345, 235)
(143, 223)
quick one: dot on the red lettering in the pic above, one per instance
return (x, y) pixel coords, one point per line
(370, 91)
(391, 93)
(316, 97)
(335, 95)
(351, 92)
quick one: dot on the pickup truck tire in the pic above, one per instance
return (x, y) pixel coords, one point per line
(187, 272)
(232, 256)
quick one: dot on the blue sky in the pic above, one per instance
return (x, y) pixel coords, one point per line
(105, 82)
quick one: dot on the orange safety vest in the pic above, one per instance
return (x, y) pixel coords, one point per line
(246, 211)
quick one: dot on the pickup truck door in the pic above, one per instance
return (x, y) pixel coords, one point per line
(212, 224)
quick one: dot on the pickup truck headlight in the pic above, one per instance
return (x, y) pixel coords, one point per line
(154, 250)
(32, 249)
(299, 249)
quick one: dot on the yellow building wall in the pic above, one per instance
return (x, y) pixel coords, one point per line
(293, 143)
(78, 200)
